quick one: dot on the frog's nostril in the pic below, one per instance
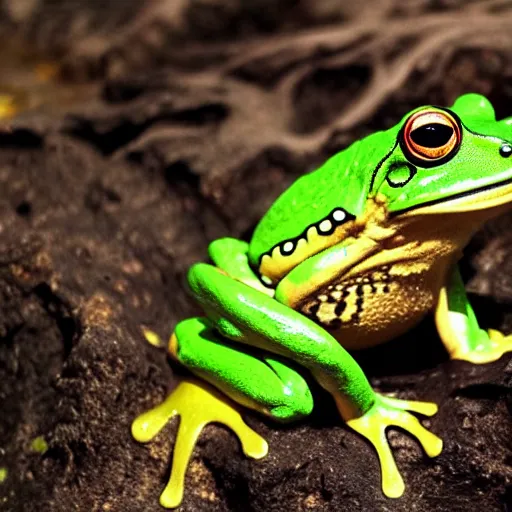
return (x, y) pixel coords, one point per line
(506, 150)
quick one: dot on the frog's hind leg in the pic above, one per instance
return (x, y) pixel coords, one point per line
(459, 329)
(250, 377)
(248, 317)
(256, 381)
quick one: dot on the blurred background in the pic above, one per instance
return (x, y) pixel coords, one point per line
(133, 133)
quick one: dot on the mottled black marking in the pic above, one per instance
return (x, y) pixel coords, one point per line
(340, 307)
(356, 317)
(358, 285)
(313, 310)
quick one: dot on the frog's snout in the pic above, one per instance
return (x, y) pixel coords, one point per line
(506, 150)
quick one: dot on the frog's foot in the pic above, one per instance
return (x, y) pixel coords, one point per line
(489, 350)
(197, 404)
(389, 412)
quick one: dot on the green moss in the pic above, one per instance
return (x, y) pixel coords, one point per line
(39, 445)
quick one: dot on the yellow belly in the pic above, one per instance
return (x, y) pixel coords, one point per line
(372, 306)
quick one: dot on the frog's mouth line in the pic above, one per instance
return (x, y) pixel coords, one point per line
(484, 198)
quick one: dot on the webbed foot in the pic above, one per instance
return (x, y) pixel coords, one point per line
(389, 412)
(486, 352)
(197, 404)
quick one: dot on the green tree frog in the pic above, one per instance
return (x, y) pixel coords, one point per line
(350, 256)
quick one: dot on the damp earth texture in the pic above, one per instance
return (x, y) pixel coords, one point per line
(129, 141)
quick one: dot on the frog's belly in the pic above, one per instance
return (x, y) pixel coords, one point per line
(376, 306)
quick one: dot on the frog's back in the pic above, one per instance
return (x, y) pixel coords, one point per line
(319, 202)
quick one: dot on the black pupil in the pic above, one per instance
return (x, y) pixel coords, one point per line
(432, 135)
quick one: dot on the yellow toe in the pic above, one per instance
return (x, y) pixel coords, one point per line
(389, 412)
(197, 404)
(171, 497)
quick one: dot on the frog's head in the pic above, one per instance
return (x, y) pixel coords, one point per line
(448, 160)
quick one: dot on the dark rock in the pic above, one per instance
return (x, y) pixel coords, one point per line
(195, 117)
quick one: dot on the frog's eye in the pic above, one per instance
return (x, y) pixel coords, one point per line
(430, 136)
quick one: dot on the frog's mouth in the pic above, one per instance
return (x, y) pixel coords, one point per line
(485, 198)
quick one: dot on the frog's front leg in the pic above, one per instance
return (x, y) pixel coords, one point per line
(459, 330)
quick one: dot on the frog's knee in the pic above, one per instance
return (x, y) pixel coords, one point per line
(295, 407)
(186, 335)
(197, 273)
(227, 250)
(203, 279)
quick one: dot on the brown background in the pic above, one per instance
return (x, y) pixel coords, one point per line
(144, 131)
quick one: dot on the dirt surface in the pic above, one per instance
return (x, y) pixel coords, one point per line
(144, 130)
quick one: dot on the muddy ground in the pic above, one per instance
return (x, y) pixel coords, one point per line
(136, 132)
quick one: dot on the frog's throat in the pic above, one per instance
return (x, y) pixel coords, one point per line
(329, 231)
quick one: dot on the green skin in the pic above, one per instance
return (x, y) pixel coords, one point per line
(249, 343)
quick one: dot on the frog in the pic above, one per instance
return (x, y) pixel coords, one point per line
(351, 255)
